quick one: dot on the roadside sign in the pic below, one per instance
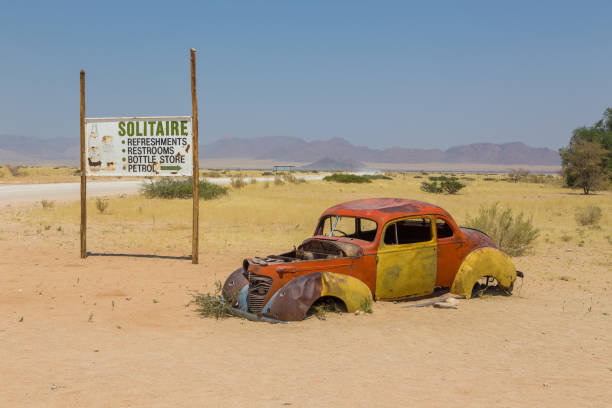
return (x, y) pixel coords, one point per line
(139, 146)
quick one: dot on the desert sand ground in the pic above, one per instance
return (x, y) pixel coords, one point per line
(115, 330)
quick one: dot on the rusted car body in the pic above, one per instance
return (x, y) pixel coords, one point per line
(364, 250)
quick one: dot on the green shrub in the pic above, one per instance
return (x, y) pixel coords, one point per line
(512, 234)
(589, 215)
(267, 173)
(432, 187)
(182, 188)
(379, 177)
(451, 186)
(347, 178)
(441, 178)
(448, 185)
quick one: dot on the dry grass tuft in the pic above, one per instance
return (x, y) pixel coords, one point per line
(212, 305)
(101, 204)
(589, 215)
(238, 181)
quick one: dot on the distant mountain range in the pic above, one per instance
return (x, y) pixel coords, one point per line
(28, 150)
(298, 150)
(328, 164)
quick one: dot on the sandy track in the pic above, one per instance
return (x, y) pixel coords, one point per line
(549, 346)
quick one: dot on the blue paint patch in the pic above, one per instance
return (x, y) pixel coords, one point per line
(242, 299)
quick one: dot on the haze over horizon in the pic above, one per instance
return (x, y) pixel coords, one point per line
(379, 75)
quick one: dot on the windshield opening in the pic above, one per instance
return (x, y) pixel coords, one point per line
(349, 227)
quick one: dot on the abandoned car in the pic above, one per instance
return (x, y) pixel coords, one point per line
(364, 250)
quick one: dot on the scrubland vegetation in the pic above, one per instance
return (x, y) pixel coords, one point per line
(355, 178)
(37, 174)
(183, 188)
(448, 185)
(271, 216)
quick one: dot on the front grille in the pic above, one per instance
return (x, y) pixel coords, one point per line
(258, 289)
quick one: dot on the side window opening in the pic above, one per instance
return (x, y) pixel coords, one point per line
(409, 231)
(443, 229)
(349, 227)
(367, 229)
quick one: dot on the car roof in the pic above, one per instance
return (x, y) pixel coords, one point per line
(383, 210)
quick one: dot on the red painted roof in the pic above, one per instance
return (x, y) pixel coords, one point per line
(382, 210)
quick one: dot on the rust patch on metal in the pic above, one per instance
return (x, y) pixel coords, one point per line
(294, 299)
(233, 284)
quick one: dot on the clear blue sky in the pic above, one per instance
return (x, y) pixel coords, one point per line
(378, 73)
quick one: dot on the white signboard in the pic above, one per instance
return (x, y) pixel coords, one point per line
(147, 146)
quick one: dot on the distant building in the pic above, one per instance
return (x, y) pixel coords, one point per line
(284, 168)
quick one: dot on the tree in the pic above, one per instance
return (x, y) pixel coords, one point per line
(599, 134)
(583, 165)
(517, 175)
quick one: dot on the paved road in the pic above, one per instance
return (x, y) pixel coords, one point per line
(20, 193)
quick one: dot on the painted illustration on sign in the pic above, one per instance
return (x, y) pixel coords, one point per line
(139, 146)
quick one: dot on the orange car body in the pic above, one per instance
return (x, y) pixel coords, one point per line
(395, 249)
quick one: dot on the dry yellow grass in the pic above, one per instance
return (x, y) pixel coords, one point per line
(30, 175)
(267, 219)
(42, 174)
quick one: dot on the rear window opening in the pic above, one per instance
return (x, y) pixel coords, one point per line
(443, 230)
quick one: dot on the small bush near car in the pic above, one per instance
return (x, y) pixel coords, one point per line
(513, 234)
(432, 187)
(213, 304)
(451, 186)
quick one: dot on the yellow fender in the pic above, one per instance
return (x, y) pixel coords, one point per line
(353, 292)
(483, 262)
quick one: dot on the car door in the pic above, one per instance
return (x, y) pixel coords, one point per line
(407, 258)
(451, 251)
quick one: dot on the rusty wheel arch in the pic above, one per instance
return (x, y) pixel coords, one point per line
(323, 299)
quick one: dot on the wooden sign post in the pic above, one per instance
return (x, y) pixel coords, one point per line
(196, 168)
(83, 173)
(141, 146)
